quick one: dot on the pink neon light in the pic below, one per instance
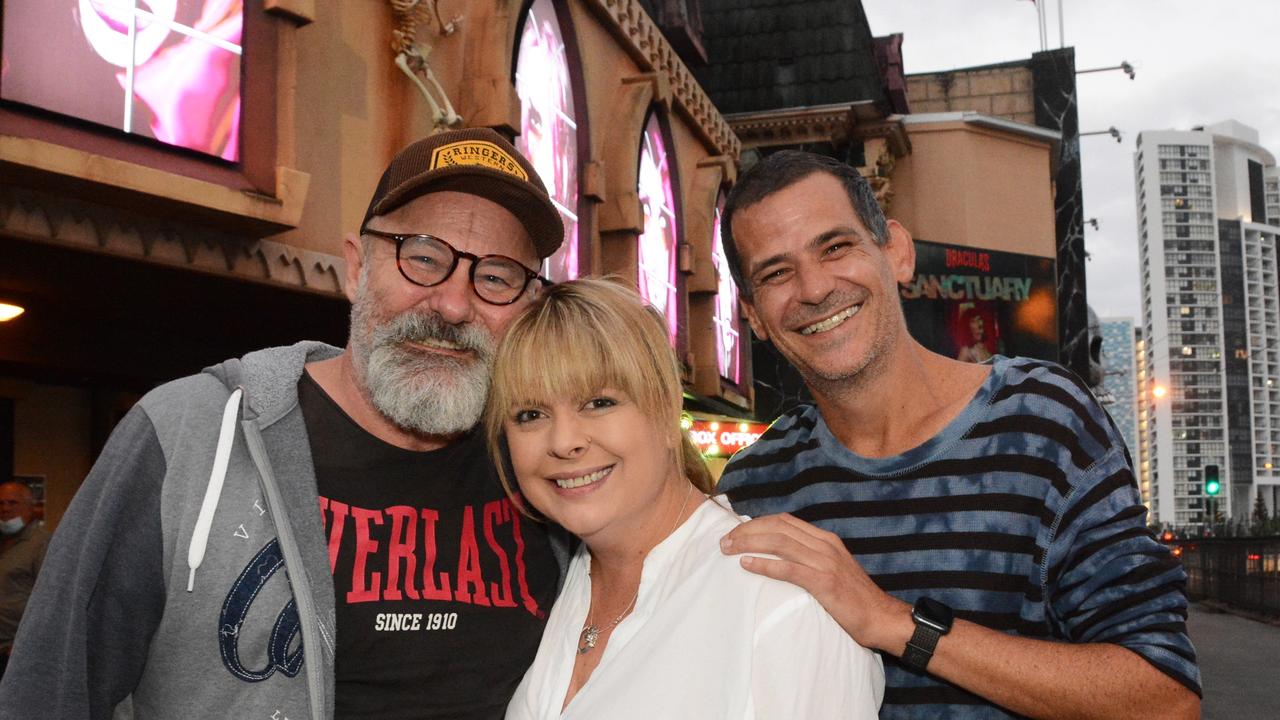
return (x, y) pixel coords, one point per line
(658, 241)
(726, 319)
(549, 127)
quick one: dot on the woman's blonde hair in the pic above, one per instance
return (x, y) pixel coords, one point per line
(578, 338)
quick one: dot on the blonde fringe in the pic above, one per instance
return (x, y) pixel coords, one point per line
(578, 338)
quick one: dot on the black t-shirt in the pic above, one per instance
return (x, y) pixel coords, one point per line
(442, 586)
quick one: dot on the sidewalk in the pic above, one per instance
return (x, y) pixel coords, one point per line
(1239, 665)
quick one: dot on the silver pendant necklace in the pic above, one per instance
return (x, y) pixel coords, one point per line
(591, 633)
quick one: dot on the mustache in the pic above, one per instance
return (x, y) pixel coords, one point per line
(422, 325)
(809, 314)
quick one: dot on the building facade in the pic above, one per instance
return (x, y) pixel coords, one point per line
(1271, 196)
(1119, 378)
(981, 187)
(169, 206)
(1041, 91)
(1211, 324)
(1142, 453)
(169, 203)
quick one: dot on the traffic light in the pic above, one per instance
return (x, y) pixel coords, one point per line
(1212, 483)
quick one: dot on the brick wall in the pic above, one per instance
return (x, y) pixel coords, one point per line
(1001, 92)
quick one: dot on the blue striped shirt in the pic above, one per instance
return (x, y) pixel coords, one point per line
(1022, 514)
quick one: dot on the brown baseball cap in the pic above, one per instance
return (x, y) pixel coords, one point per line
(477, 161)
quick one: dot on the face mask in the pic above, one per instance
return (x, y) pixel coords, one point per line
(12, 526)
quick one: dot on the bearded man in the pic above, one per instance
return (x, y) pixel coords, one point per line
(310, 532)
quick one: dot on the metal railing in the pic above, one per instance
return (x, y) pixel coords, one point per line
(1242, 572)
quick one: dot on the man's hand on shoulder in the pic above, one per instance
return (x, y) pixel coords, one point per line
(817, 561)
(1028, 676)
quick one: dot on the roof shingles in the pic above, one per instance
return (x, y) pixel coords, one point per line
(771, 54)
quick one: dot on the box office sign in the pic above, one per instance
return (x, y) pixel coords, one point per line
(722, 439)
(970, 304)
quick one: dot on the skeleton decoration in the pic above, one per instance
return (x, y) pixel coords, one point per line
(411, 55)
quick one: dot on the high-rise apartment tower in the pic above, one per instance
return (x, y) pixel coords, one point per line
(1119, 384)
(1208, 222)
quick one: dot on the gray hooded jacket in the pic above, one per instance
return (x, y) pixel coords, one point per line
(165, 587)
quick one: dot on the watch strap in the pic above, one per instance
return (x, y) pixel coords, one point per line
(920, 647)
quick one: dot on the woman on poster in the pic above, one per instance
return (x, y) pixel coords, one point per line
(973, 326)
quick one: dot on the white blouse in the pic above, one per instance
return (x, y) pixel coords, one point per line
(707, 639)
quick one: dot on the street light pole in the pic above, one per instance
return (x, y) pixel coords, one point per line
(1124, 65)
(1062, 35)
(1112, 131)
(1040, 25)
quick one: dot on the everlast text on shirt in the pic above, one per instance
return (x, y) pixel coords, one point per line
(405, 564)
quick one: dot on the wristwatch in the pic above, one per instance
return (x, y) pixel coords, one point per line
(933, 620)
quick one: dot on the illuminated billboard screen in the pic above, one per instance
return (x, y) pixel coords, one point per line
(970, 304)
(727, 320)
(660, 238)
(549, 126)
(164, 69)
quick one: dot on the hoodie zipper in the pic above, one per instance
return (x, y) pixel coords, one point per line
(295, 571)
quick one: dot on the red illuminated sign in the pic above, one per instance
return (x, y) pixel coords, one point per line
(722, 439)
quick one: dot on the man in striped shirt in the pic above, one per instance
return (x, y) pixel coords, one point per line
(979, 525)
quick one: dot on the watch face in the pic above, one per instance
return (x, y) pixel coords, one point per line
(933, 613)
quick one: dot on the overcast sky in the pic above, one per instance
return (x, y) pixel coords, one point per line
(1197, 63)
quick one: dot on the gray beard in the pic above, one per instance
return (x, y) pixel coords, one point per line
(419, 391)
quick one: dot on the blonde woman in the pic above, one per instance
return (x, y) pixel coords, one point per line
(653, 620)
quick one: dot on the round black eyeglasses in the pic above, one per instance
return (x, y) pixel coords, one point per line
(427, 260)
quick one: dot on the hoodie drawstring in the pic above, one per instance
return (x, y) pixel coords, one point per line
(221, 459)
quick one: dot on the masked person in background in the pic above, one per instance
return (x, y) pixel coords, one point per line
(22, 547)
